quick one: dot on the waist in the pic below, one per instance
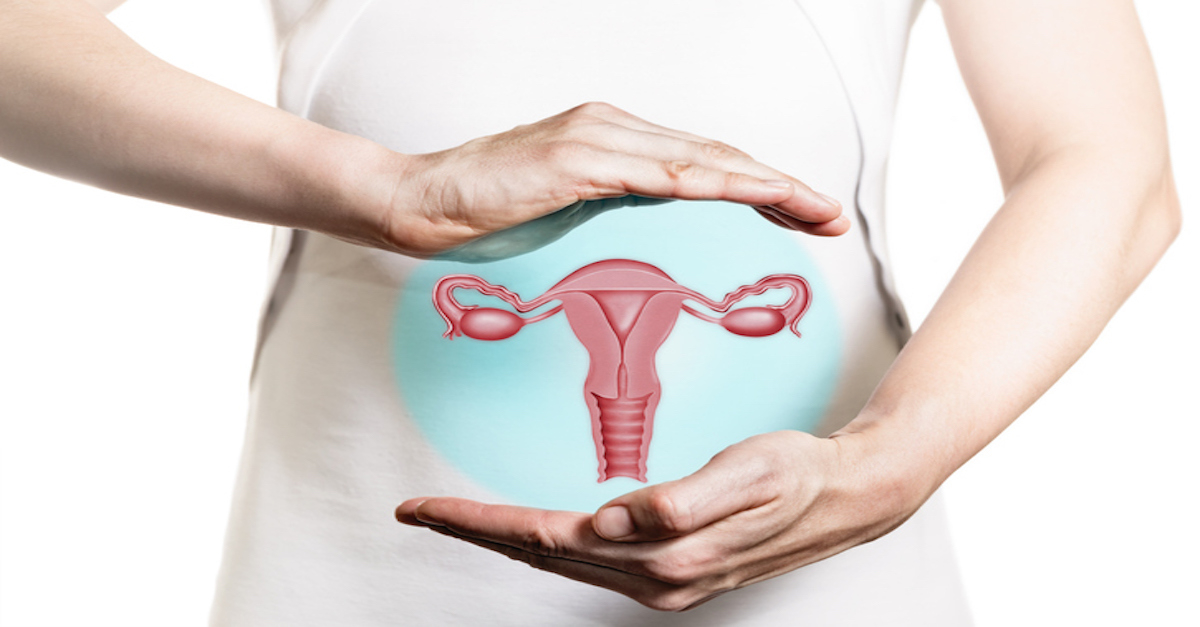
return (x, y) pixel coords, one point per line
(614, 379)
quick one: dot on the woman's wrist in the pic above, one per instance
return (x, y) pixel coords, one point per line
(892, 459)
(335, 183)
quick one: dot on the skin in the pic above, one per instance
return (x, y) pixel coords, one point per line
(1065, 89)
(95, 107)
(1068, 95)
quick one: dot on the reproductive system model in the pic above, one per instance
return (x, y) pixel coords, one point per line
(622, 311)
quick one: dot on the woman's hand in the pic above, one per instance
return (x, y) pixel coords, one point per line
(758, 509)
(116, 117)
(448, 198)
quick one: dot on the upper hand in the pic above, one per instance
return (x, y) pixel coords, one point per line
(448, 198)
(758, 509)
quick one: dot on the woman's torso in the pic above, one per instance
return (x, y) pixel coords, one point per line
(360, 402)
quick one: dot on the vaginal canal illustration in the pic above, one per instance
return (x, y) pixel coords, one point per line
(621, 311)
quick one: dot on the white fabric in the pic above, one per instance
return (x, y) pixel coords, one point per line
(334, 444)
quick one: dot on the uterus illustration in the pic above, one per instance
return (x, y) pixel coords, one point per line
(621, 311)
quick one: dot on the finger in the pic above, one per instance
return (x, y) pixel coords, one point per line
(734, 481)
(406, 511)
(567, 535)
(570, 536)
(641, 589)
(784, 219)
(606, 173)
(611, 173)
(804, 205)
(832, 228)
(649, 592)
(811, 207)
(771, 216)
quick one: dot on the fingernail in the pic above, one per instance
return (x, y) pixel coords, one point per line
(425, 518)
(777, 183)
(409, 518)
(615, 523)
(831, 200)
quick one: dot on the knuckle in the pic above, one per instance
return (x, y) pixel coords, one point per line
(718, 151)
(762, 472)
(766, 468)
(679, 170)
(734, 180)
(580, 189)
(479, 144)
(594, 107)
(731, 150)
(756, 455)
(516, 130)
(670, 515)
(541, 541)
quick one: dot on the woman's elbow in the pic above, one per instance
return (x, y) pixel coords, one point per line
(1163, 205)
(1159, 218)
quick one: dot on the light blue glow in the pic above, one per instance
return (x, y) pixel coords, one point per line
(511, 415)
(530, 236)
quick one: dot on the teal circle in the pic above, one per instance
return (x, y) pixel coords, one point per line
(511, 415)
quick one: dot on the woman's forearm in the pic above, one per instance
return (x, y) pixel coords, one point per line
(83, 101)
(1068, 95)
(1075, 236)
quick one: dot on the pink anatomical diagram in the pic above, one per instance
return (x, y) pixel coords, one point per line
(621, 311)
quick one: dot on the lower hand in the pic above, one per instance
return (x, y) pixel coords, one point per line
(448, 198)
(758, 509)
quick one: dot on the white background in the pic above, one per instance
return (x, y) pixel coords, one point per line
(126, 331)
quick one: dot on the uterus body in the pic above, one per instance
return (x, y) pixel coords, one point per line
(621, 311)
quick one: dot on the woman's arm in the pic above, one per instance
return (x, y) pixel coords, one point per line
(1068, 96)
(83, 101)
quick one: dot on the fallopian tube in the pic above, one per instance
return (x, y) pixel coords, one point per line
(621, 311)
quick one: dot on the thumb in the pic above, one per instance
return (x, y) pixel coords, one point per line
(731, 482)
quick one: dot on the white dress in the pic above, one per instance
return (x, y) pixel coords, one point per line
(599, 362)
